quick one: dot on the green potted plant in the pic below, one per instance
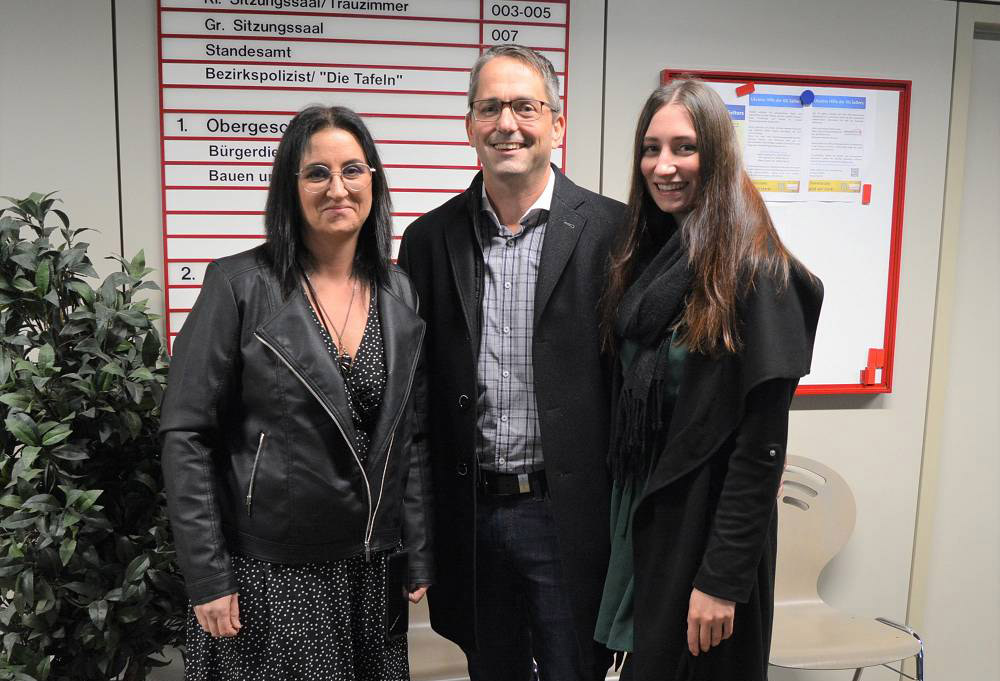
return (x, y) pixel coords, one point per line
(89, 585)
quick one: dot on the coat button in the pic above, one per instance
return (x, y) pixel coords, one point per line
(463, 401)
(772, 452)
(462, 468)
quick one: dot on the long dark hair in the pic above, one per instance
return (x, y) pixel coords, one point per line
(283, 222)
(729, 235)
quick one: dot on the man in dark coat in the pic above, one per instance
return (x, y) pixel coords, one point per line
(509, 275)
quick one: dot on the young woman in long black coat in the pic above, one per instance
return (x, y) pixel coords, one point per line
(712, 321)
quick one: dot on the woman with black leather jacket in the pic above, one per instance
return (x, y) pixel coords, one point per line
(296, 474)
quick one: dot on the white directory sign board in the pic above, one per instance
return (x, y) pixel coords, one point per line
(233, 72)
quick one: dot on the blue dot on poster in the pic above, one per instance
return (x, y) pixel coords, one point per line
(807, 97)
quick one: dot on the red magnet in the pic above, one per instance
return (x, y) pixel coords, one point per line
(866, 194)
(744, 90)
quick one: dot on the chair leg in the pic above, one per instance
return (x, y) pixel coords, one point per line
(908, 630)
(857, 673)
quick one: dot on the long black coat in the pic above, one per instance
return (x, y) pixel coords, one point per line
(707, 517)
(442, 254)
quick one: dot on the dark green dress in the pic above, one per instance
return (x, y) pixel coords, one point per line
(615, 627)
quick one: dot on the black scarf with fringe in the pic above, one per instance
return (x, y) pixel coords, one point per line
(650, 309)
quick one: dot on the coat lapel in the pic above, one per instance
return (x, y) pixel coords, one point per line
(402, 333)
(562, 232)
(292, 333)
(465, 255)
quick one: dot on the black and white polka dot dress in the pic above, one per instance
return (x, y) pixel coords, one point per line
(316, 621)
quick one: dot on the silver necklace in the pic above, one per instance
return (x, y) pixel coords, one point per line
(344, 360)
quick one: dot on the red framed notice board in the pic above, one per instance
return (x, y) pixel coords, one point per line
(829, 156)
(233, 72)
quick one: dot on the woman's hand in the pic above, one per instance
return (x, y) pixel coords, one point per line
(220, 617)
(710, 621)
(417, 594)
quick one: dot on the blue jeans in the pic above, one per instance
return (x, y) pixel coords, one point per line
(523, 610)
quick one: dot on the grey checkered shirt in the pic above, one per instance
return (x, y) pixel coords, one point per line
(508, 437)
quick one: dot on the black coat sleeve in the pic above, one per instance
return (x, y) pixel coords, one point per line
(748, 497)
(201, 374)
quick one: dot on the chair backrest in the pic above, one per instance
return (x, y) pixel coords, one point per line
(816, 514)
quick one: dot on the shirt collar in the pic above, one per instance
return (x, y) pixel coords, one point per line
(533, 215)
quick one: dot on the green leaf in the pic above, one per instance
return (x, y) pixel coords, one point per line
(137, 319)
(92, 591)
(66, 550)
(18, 521)
(23, 427)
(83, 290)
(46, 356)
(104, 313)
(5, 366)
(137, 268)
(112, 282)
(141, 374)
(42, 276)
(98, 611)
(56, 435)
(135, 391)
(132, 422)
(137, 568)
(25, 586)
(10, 640)
(70, 518)
(18, 400)
(12, 569)
(44, 667)
(23, 285)
(43, 502)
(28, 261)
(70, 452)
(88, 499)
(151, 347)
(62, 217)
(113, 369)
(10, 501)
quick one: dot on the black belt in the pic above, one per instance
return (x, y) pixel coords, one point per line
(512, 484)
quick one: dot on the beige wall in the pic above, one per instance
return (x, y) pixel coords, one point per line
(57, 120)
(957, 554)
(57, 131)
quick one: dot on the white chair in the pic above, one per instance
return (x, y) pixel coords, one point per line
(816, 514)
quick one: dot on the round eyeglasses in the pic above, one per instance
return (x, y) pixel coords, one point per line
(316, 178)
(523, 109)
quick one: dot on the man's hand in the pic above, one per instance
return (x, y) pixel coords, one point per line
(417, 594)
(220, 617)
(710, 621)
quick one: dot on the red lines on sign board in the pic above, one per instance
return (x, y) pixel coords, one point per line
(211, 214)
(348, 15)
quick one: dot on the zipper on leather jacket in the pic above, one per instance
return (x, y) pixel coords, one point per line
(388, 451)
(371, 527)
(253, 471)
(347, 440)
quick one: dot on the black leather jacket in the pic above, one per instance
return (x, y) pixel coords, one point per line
(256, 434)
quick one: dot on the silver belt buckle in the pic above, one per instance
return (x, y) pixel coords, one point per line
(523, 484)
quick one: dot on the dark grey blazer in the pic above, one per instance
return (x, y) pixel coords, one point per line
(441, 253)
